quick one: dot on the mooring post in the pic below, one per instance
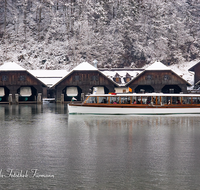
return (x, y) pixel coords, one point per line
(16, 98)
(39, 98)
(10, 98)
(62, 99)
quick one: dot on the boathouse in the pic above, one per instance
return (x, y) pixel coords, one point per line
(83, 79)
(196, 70)
(158, 78)
(17, 85)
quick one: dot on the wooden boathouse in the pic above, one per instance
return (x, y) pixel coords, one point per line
(17, 85)
(196, 70)
(158, 78)
(80, 81)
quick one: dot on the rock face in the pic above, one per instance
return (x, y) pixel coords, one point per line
(117, 33)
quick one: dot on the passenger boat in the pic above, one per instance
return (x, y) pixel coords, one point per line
(132, 103)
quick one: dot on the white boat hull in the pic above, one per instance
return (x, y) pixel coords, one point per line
(130, 111)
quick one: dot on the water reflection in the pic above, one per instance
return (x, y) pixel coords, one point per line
(98, 152)
(141, 152)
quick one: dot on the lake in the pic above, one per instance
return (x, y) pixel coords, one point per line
(43, 148)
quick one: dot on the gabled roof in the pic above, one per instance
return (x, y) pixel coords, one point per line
(11, 66)
(117, 75)
(192, 68)
(49, 77)
(128, 75)
(157, 66)
(123, 73)
(85, 66)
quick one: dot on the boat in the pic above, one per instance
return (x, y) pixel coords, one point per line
(137, 104)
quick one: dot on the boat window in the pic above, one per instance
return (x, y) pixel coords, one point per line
(92, 99)
(176, 100)
(138, 99)
(125, 100)
(187, 100)
(166, 99)
(103, 100)
(196, 100)
(146, 100)
(133, 100)
(158, 100)
(153, 100)
(114, 99)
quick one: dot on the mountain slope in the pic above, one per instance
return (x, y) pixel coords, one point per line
(59, 34)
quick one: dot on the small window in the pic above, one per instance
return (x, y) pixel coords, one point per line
(4, 78)
(166, 77)
(118, 80)
(149, 77)
(76, 78)
(22, 78)
(94, 78)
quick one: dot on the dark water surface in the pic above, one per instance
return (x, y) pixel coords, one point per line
(41, 147)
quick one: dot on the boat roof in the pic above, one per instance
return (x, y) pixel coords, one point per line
(146, 94)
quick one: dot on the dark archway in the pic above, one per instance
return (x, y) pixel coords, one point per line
(6, 94)
(32, 97)
(171, 89)
(145, 88)
(69, 98)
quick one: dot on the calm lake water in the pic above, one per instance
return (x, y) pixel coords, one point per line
(41, 147)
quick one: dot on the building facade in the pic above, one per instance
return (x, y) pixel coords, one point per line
(158, 78)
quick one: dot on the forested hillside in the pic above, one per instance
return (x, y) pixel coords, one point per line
(59, 34)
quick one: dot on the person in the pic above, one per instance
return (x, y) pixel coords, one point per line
(134, 101)
(169, 102)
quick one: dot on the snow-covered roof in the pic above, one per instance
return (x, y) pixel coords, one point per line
(49, 77)
(192, 68)
(11, 66)
(111, 74)
(85, 66)
(49, 81)
(48, 73)
(157, 66)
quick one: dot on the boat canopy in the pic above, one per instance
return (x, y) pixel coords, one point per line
(25, 91)
(146, 94)
(72, 91)
(2, 91)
